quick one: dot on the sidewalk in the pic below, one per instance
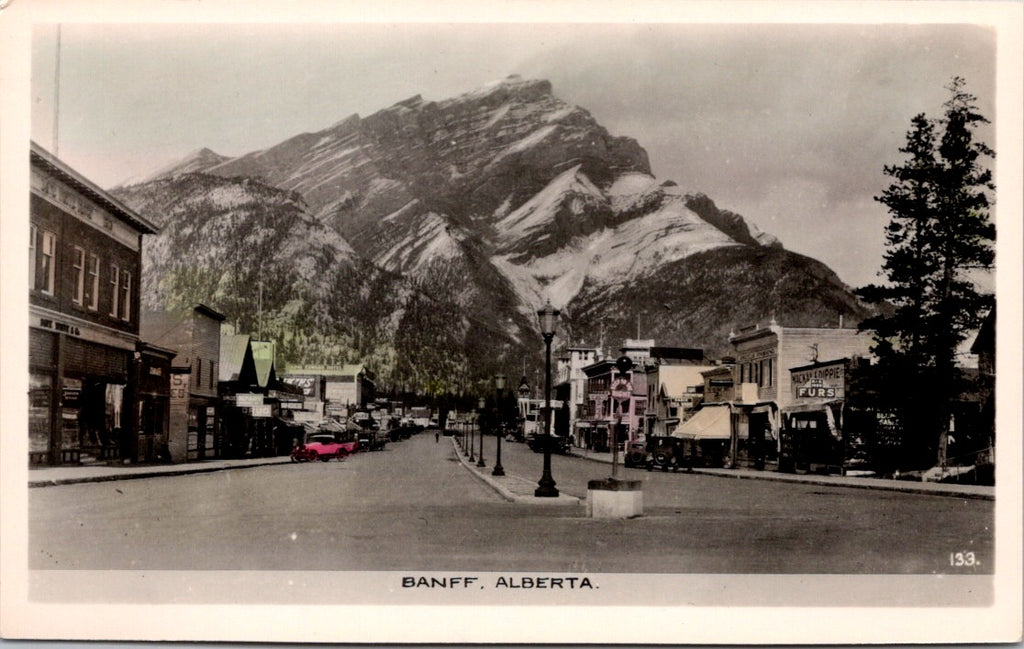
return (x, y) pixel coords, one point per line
(511, 487)
(65, 475)
(906, 486)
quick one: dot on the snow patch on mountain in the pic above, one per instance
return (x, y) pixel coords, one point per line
(541, 208)
(629, 251)
(528, 142)
(431, 244)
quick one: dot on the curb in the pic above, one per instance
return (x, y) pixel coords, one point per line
(138, 475)
(504, 492)
(878, 485)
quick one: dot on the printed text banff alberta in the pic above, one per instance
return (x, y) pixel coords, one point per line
(564, 583)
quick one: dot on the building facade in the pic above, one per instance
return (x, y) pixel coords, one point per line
(571, 384)
(764, 386)
(194, 335)
(85, 262)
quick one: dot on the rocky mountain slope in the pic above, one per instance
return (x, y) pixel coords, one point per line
(456, 220)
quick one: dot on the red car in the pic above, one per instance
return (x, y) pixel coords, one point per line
(322, 447)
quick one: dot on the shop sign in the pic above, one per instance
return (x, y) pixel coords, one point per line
(822, 382)
(818, 388)
(262, 411)
(248, 400)
(62, 327)
(307, 384)
(179, 386)
(758, 354)
(622, 389)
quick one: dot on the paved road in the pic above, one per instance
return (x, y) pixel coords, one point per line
(414, 507)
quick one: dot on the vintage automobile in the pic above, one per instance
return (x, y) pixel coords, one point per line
(635, 455)
(666, 453)
(323, 447)
(371, 440)
(558, 443)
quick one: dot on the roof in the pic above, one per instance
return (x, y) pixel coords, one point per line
(46, 160)
(210, 313)
(232, 356)
(681, 353)
(673, 380)
(263, 355)
(986, 339)
(816, 365)
(710, 422)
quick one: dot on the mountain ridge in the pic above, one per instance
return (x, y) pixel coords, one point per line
(487, 204)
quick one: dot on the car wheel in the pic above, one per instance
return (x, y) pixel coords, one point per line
(313, 456)
(342, 454)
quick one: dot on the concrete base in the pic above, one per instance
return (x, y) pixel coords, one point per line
(615, 498)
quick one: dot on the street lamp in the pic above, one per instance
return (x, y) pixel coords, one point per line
(482, 403)
(624, 364)
(548, 319)
(499, 385)
(472, 440)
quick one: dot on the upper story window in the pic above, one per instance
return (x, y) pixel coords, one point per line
(126, 296)
(47, 262)
(32, 261)
(78, 270)
(115, 290)
(93, 285)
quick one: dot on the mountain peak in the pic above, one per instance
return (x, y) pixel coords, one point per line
(196, 161)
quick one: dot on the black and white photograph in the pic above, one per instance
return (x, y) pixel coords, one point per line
(556, 323)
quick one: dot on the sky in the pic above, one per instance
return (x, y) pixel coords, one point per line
(789, 125)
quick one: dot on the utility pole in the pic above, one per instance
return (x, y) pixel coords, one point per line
(56, 99)
(259, 308)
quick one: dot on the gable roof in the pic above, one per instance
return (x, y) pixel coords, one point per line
(263, 356)
(233, 350)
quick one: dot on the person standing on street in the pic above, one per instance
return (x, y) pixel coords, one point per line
(437, 436)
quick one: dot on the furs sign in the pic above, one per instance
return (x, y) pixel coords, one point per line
(820, 381)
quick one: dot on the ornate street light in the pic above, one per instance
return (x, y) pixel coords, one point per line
(482, 403)
(472, 440)
(548, 319)
(499, 385)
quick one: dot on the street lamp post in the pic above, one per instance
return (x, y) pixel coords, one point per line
(472, 441)
(482, 403)
(499, 384)
(548, 319)
(624, 364)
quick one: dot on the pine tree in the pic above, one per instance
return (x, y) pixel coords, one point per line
(939, 233)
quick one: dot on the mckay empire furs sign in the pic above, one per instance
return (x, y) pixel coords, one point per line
(820, 381)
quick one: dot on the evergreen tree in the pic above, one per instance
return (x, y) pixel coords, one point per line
(939, 233)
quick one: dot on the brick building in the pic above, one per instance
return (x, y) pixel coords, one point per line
(85, 262)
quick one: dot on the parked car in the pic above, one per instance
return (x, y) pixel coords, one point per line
(322, 447)
(371, 440)
(558, 443)
(635, 455)
(666, 453)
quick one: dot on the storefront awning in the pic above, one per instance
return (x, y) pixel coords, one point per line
(710, 422)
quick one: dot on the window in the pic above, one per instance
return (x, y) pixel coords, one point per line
(199, 372)
(48, 262)
(126, 295)
(115, 292)
(32, 261)
(93, 292)
(78, 266)
(213, 373)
